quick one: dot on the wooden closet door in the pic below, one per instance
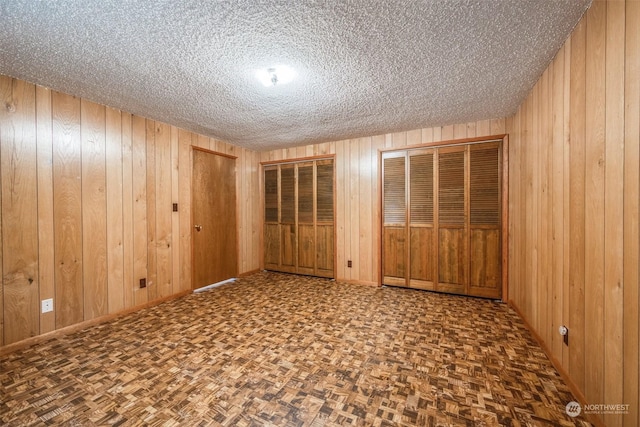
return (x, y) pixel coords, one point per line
(288, 238)
(452, 209)
(306, 222)
(422, 243)
(271, 219)
(394, 206)
(324, 219)
(485, 273)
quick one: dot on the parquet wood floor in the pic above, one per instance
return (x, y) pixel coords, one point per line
(284, 350)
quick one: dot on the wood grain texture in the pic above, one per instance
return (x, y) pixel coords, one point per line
(115, 222)
(94, 209)
(46, 241)
(127, 211)
(583, 123)
(139, 179)
(614, 208)
(91, 165)
(18, 153)
(67, 196)
(595, 200)
(163, 210)
(577, 130)
(631, 260)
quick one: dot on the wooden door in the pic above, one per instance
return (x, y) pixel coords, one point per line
(324, 219)
(394, 202)
(215, 241)
(485, 273)
(422, 220)
(452, 206)
(299, 217)
(442, 218)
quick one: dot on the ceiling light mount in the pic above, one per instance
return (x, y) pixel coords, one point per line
(276, 75)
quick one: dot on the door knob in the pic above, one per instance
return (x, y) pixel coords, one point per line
(197, 227)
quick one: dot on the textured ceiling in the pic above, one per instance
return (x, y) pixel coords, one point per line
(363, 67)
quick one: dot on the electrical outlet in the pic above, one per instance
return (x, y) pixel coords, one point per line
(175, 207)
(349, 264)
(143, 283)
(47, 305)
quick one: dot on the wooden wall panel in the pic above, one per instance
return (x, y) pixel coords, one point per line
(139, 180)
(67, 196)
(163, 214)
(94, 210)
(46, 261)
(97, 185)
(128, 253)
(631, 248)
(18, 153)
(115, 226)
(574, 147)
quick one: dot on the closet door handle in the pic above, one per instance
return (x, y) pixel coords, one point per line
(197, 227)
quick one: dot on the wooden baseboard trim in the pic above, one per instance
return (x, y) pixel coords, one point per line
(85, 324)
(249, 273)
(593, 418)
(359, 282)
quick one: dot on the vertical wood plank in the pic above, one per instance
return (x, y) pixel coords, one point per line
(567, 197)
(365, 220)
(163, 209)
(377, 143)
(631, 346)
(94, 205)
(341, 212)
(614, 208)
(414, 137)
(18, 154)
(46, 242)
(460, 131)
(139, 162)
(447, 133)
(594, 200)
(577, 205)
(497, 126)
(67, 196)
(152, 250)
(175, 216)
(184, 203)
(115, 223)
(127, 211)
(557, 203)
(483, 128)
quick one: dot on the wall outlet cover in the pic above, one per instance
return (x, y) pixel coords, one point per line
(47, 305)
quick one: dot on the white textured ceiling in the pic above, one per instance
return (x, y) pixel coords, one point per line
(364, 67)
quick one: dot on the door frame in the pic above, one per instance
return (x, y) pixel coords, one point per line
(191, 214)
(504, 227)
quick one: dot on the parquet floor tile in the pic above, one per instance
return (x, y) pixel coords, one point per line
(283, 350)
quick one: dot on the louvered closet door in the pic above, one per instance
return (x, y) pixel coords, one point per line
(288, 241)
(452, 207)
(271, 219)
(299, 234)
(394, 201)
(485, 278)
(325, 234)
(306, 227)
(422, 249)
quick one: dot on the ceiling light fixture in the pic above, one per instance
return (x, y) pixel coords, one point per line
(277, 75)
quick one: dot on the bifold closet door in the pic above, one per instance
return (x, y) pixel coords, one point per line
(422, 221)
(299, 232)
(485, 272)
(452, 233)
(442, 220)
(394, 228)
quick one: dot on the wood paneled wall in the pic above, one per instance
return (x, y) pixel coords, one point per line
(574, 173)
(86, 209)
(357, 192)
